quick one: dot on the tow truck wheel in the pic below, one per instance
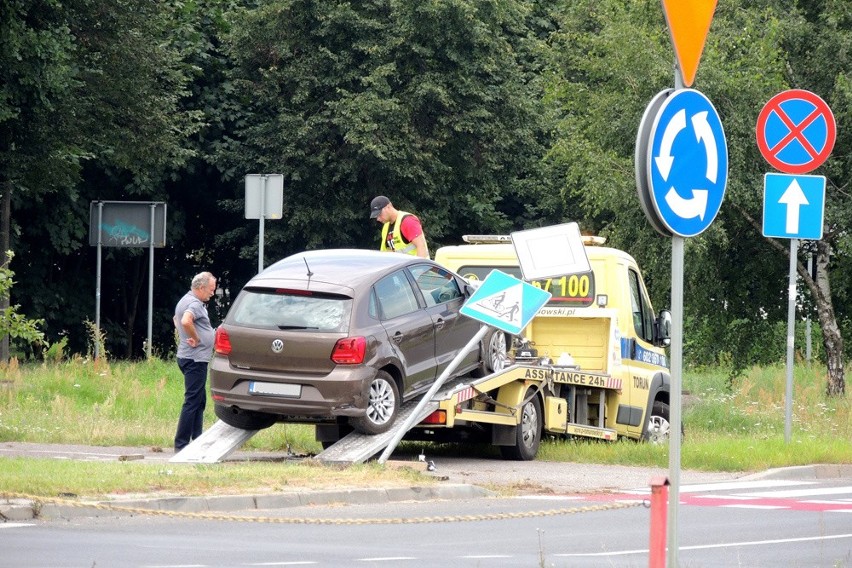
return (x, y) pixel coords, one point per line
(658, 424)
(382, 406)
(244, 419)
(528, 433)
(494, 353)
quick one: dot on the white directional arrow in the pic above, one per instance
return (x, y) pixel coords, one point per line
(704, 132)
(793, 197)
(665, 159)
(695, 206)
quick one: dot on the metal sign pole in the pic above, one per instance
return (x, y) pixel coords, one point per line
(260, 223)
(677, 384)
(98, 281)
(150, 284)
(791, 335)
(808, 350)
(409, 422)
(675, 402)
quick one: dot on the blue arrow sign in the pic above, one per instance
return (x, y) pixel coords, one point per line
(793, 206)
(687, 163)
(505, 302)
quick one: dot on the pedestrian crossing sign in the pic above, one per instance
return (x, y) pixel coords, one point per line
(504, 302)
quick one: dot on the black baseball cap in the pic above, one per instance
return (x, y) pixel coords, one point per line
(377, 204)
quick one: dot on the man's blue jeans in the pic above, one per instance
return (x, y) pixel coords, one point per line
(191, 420)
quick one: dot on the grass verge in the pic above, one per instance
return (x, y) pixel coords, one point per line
(730, 426)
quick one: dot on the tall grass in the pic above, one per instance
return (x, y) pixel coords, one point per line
(83, 401)
(729, 425)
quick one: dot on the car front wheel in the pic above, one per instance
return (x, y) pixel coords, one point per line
(494, 353)
(382, 406)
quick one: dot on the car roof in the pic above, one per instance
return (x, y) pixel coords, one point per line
(332, 269)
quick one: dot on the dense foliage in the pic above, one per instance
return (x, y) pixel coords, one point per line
(479, 116)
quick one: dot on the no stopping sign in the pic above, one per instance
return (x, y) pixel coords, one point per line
(796, 131)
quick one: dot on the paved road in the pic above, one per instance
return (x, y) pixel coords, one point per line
(759, 523)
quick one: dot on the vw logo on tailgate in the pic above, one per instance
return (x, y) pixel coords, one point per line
(277, 346)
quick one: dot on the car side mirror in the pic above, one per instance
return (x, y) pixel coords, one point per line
(663, 329)
(470, 287)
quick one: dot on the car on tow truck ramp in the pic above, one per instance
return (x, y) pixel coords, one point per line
(340, 338)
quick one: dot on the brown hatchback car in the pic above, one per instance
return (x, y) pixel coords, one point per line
(337, 336)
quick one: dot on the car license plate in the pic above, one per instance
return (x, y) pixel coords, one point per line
(276, 389)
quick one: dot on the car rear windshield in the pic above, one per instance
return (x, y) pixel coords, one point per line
(292, 309)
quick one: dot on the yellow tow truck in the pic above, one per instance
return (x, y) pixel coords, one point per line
(591, 363)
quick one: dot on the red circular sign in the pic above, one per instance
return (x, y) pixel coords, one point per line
(796, 131)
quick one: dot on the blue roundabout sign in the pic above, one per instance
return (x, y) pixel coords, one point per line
(687, 163)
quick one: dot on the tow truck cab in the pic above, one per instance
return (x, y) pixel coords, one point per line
(599, 328)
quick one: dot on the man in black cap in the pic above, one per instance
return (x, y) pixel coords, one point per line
(401, 231)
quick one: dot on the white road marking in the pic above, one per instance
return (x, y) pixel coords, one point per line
(711, 546)
(294, 563)
(793, 493)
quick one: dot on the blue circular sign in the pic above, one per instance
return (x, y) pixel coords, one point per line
(687, 163)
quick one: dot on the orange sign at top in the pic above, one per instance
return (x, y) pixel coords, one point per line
(689, 22)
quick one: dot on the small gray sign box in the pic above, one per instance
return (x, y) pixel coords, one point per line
(127, 224)
(271, 201)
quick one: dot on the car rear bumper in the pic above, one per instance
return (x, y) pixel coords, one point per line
(342, 392)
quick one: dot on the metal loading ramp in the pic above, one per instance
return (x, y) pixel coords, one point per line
(220, 440)
(358, 448)
(214, 445)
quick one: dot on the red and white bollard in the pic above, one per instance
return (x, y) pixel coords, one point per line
(659, 507)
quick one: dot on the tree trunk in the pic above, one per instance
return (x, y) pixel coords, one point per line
(821, 292)
(831, 337)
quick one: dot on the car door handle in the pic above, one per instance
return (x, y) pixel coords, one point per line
(397, 337)
(440, 323)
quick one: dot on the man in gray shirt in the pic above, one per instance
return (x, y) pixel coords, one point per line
(193, 354)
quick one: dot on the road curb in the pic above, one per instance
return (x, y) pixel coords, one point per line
(50, 509)
(818, 471)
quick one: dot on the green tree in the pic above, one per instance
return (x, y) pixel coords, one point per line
(12, 323)
(90, 108)
(429, 103)
(735, 282)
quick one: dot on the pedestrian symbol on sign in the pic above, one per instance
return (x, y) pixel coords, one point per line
(505, 305)
(504, 302)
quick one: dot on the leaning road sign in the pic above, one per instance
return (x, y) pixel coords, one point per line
(504, 302)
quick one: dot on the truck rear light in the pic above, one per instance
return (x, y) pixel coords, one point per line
(437, 417)
(222, 345)
(349, 351)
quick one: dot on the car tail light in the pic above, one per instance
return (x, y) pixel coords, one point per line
(437, 417)
(349, 351)
(222, 345)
